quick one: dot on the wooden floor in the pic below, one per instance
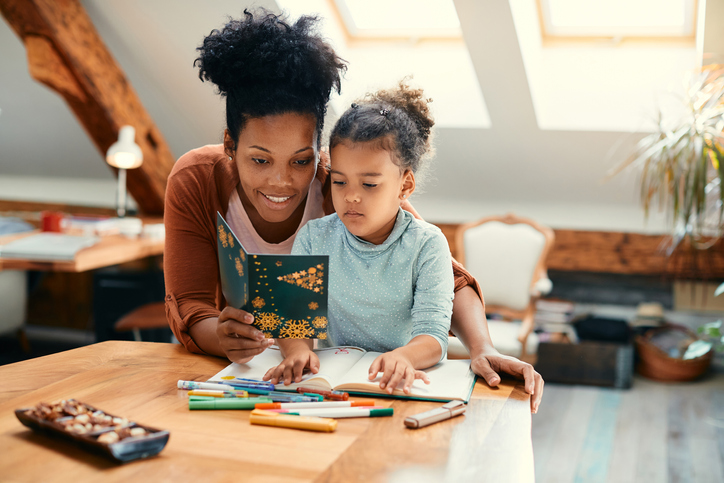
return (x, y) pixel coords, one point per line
(650, 433)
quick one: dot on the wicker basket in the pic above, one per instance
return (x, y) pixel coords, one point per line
(656, 364)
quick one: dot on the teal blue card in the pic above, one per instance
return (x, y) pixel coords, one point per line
(287, 294)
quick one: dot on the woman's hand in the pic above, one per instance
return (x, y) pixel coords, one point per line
(298, 357)
(237, 338)
(488, 364)
(471, 327)
(395, 366)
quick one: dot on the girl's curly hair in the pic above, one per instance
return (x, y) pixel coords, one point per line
(399, 120)
(265, 66)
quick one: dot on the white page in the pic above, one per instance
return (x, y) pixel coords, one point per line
(451, 379)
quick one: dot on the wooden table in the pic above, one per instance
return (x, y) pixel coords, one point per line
(492, 442)
(110, 250)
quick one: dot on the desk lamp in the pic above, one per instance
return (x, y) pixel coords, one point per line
(124, 154)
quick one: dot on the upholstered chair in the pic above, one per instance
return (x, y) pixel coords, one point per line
(507, 255)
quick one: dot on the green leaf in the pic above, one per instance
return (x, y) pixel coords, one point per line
(712, 329)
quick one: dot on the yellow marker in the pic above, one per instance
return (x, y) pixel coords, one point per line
(270, 418)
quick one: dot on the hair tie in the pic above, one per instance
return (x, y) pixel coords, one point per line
(355, 105)
(384, 112)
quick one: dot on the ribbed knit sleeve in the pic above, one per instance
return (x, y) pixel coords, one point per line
(433, 291)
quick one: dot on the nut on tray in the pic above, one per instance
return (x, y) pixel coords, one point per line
(93, 429)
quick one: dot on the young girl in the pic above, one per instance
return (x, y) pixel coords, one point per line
(391, 283)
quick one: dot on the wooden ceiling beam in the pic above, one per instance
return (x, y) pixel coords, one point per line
(66, 53)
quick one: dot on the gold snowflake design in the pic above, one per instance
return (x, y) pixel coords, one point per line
(322, 336)
(258, 303)
(230, 239)
(267, 321)
(296, 329)
(239, 267)
(320, 322)
(313, 306)
(310, 279)
(242, 255)
(268, 335)
(279, 263)
(223, 236)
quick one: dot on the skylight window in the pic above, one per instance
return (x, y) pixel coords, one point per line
(393, 39)
(399, 18)
(588, 86)
(618, 19)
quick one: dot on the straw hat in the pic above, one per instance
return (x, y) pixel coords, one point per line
(649, 314)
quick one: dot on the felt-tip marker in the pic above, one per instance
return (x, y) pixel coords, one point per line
(357, 412)
(269, 418)
(205, 385)
(315, 405)
(227, 403)
(336, 395)
(216, 393)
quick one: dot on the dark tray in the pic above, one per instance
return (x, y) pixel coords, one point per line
(128, 449)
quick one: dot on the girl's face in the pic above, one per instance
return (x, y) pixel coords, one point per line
(367, 188)
(275, 157)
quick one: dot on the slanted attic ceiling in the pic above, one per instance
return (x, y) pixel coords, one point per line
(519, 163)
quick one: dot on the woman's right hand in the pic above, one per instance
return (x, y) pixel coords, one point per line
(237, 338)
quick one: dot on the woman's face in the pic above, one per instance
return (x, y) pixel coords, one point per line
(275, 156)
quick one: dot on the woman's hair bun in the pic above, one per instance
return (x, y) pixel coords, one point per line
(262, 48)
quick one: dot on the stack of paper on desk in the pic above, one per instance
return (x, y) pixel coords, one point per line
(346, 369)
(47, 247)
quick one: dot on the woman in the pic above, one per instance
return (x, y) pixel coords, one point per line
(268, 181)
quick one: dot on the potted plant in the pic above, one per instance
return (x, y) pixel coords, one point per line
(682, 163)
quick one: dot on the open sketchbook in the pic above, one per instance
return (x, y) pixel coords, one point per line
(346, 369)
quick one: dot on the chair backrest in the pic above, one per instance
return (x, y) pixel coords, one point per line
(506, 255)
(13, 299)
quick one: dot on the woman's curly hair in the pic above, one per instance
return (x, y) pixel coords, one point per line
(399, 120)
(265, 66)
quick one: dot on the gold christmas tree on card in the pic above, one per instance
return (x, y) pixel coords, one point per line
(310, 279)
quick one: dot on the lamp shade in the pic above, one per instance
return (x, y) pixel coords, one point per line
(125, 153)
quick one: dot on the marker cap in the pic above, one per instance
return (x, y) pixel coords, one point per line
(377, 413)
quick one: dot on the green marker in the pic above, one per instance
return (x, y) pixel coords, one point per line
(227, 403)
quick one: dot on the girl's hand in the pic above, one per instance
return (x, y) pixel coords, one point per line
(237, 338)
(293, 366)
(395, 367)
